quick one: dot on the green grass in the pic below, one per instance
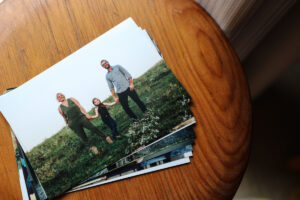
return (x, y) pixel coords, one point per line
(62, 161)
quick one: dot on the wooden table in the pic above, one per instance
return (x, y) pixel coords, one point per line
(36, 34)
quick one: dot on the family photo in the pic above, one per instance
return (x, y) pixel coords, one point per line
(77, 118)
(113, 128)
(103, 102)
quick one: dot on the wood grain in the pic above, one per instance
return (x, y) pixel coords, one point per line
(36, 34)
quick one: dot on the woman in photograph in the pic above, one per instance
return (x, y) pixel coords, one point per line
(101, 108)
(76, 118)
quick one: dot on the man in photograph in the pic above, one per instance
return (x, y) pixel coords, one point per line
(119, 78)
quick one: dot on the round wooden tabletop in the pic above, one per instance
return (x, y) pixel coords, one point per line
(36, 34)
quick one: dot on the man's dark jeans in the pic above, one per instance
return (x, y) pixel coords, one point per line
(123, 97)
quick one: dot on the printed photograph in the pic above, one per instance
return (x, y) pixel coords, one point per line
(30, 186)
(171, 142)
(105, 101)
(173, 158)
(33, 189)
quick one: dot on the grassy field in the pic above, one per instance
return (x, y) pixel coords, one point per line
(62, 161)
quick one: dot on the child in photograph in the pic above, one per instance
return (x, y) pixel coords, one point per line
(76, 118)
(101, 108)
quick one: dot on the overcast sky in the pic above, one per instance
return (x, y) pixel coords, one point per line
(32, 109)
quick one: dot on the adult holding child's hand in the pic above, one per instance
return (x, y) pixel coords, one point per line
(101, 109)
(76, 118)
(117, 100)
(88, 116)
(118, 77)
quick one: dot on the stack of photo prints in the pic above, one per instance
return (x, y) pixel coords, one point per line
(111, 110)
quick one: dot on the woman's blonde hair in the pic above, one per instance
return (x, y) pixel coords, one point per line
(60, 94)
